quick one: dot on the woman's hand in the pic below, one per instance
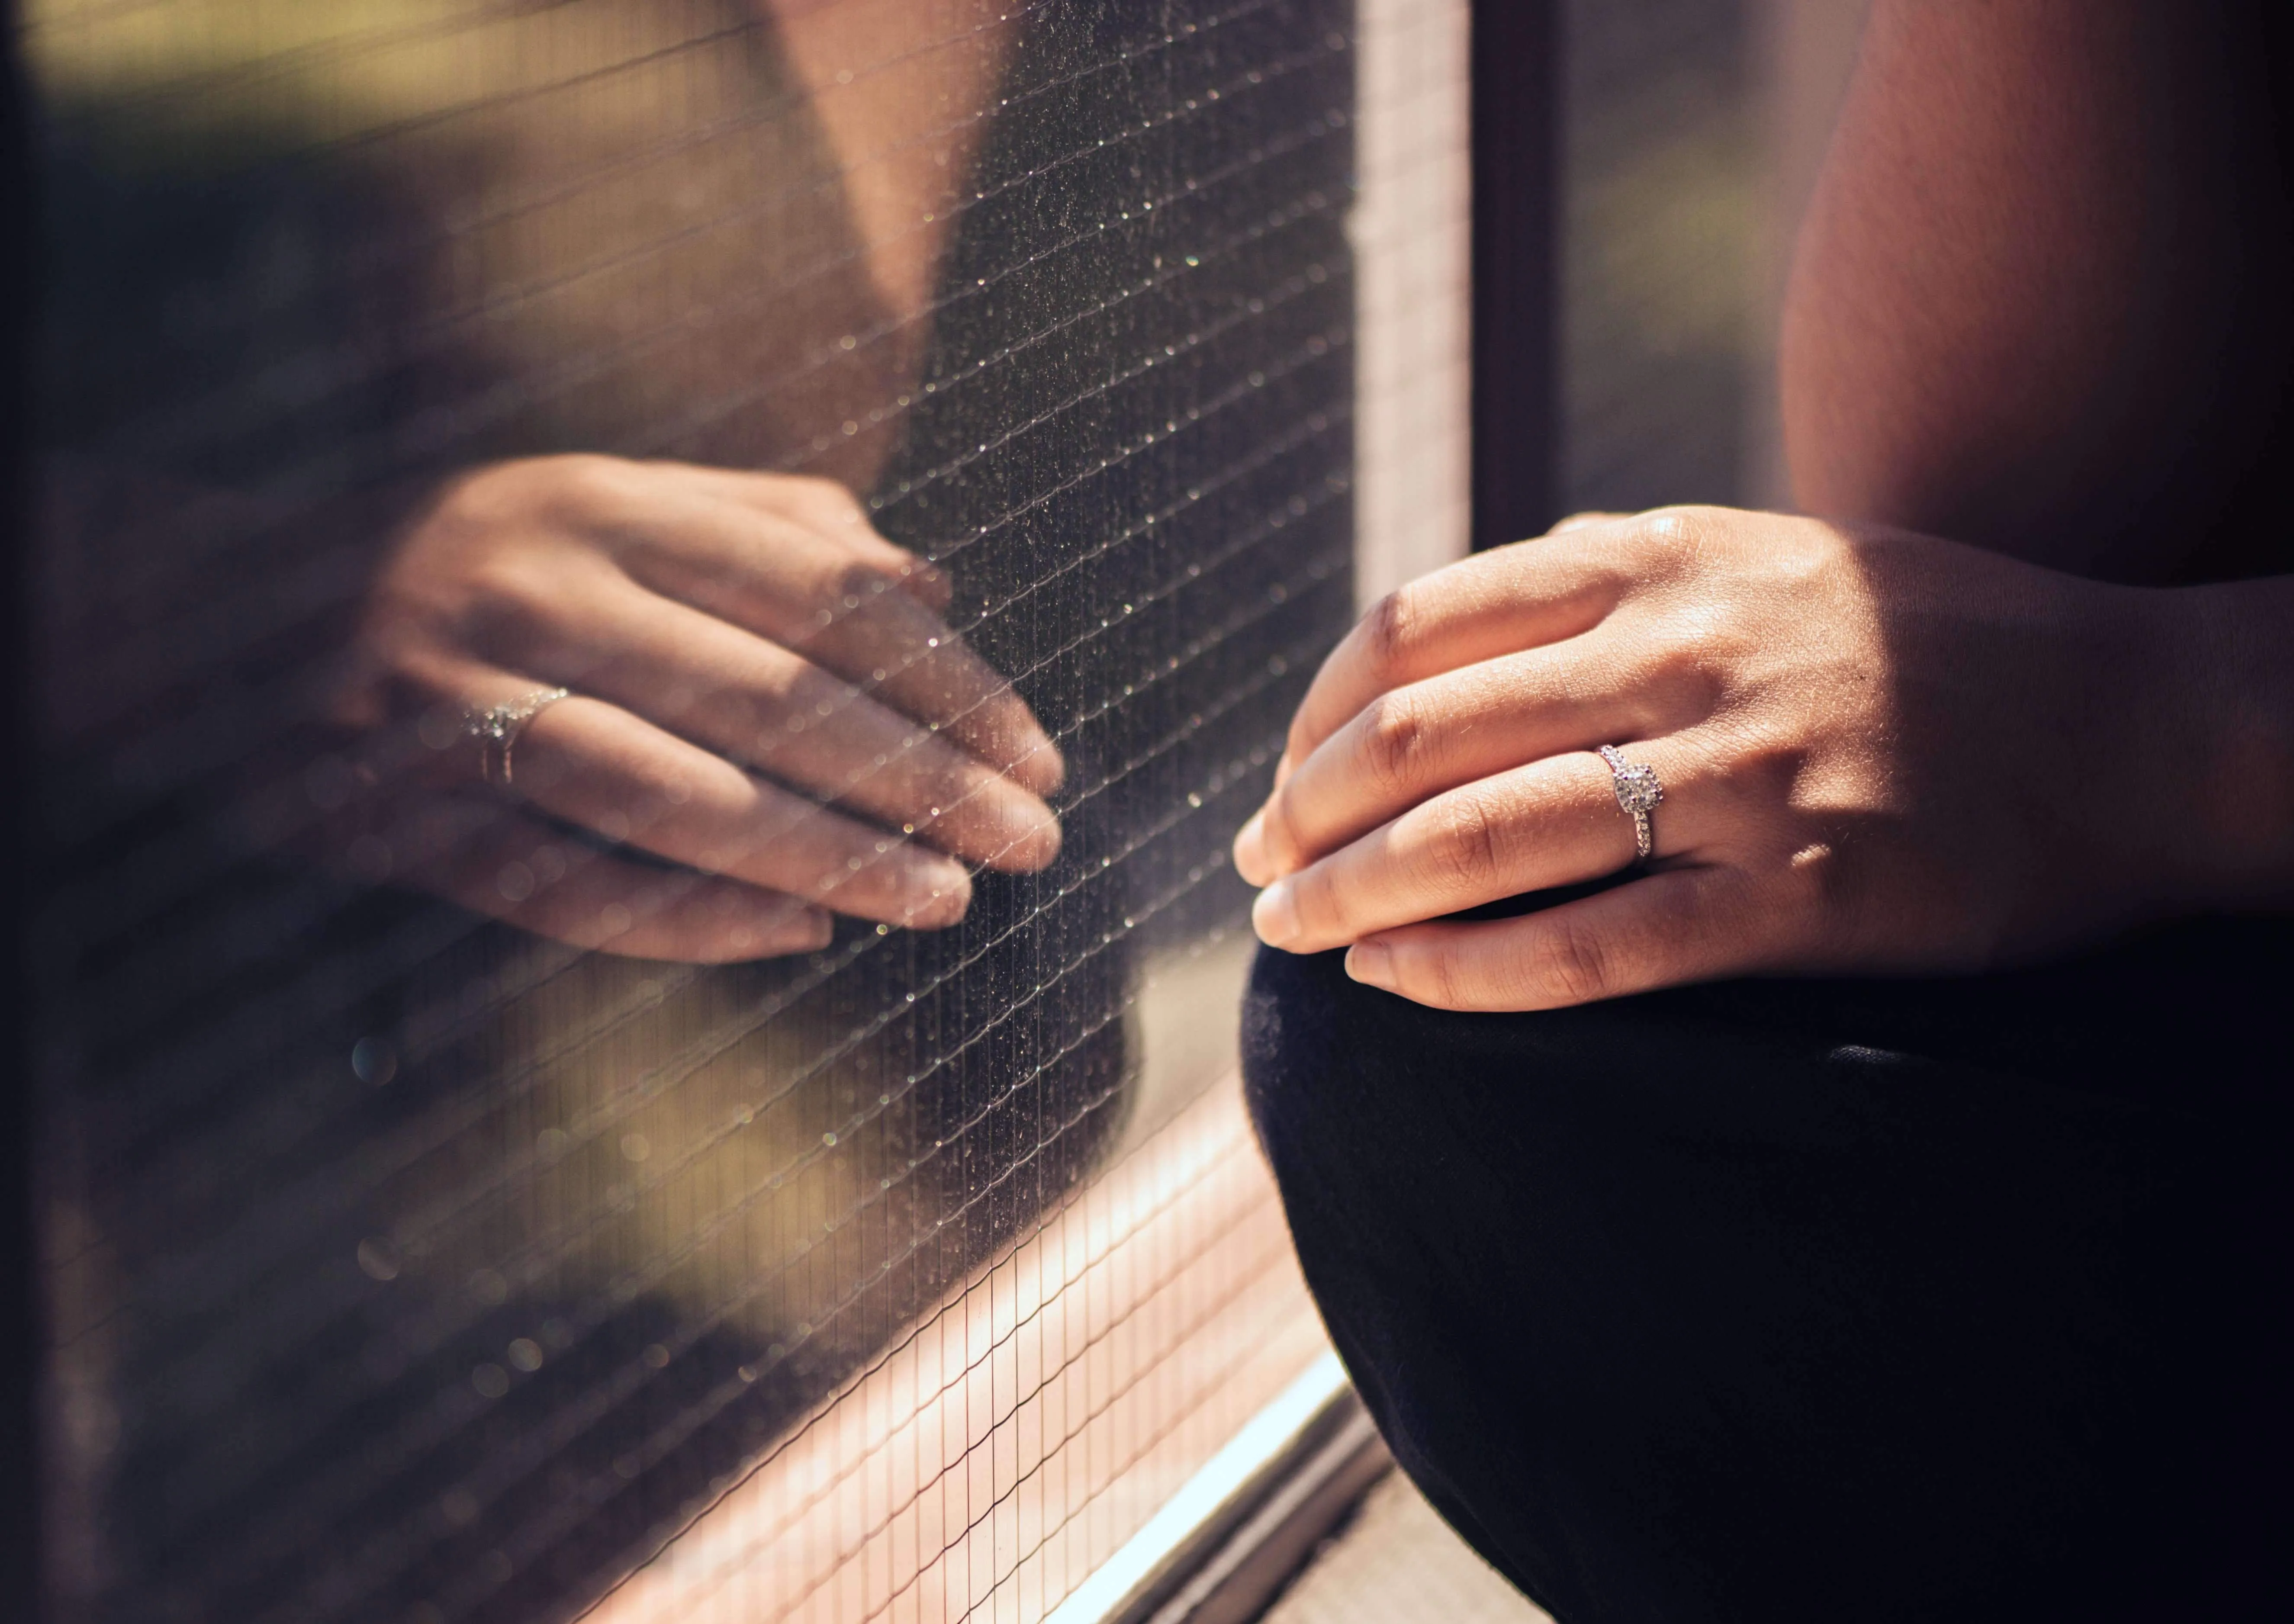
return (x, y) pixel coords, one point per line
(743, 652)
(1880, 753)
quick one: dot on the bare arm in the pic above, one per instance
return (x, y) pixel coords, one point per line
(2034, 305)
(2040, 304)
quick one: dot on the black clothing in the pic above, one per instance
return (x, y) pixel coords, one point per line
(1800, 1299)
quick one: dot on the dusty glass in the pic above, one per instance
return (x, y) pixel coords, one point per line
(463, 1155)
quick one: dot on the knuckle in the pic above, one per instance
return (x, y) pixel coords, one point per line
(1388, 631)
(1394, 742)
(510, 581)
(1667, 538)
(1445, 982)
(823, 501)
(469, 492)
(590, 481)
(1761, 772)
(1678, 521)
(535, 587)
(1816, 890)
(1699, 647)
(1465, 848)
(1567, 964)
(847, 587)
(472, 508)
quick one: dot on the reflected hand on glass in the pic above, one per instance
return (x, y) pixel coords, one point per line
(767, 720)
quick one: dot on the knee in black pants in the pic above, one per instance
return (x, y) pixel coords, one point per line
(1682, 1313)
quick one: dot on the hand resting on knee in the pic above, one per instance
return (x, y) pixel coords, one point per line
(1880, 753)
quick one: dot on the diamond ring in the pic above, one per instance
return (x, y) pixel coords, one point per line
(497, 727)
(1639, 794)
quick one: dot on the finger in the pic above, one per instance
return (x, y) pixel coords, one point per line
(595, 765)
(780, 579)
(1520, 831)
(493, 859)
(439, 744)
(1554, 822)
(1495, 603)
(760, 705)
(832, 511)
(1417, 740)
(1694, 924)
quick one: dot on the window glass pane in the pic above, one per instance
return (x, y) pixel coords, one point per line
(464, 1166)
(1670, 253)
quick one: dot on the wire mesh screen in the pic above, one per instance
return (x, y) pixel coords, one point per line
(744, 1120)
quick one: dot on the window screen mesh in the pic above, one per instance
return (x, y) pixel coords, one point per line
(407, 1265)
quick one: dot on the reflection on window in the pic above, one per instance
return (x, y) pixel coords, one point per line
(459, 1179)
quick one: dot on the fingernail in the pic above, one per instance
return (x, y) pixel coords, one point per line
(1029, 835)
(1250, 849)
(935, 894)
(1371, 963)
(1275, 914)
(1047, 769)
(816, 929)
(1004, 824)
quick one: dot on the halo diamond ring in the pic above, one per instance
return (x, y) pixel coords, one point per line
(1639, 794)
(497, 728)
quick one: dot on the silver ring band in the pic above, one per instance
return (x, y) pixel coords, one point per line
(497, 728)
(1639, 794)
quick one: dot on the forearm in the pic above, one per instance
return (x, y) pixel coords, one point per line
(2036, 304)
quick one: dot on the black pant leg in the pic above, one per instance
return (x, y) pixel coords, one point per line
(1692, 1307)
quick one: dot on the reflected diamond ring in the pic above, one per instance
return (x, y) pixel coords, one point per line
(1638, 795)
(497, 728)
